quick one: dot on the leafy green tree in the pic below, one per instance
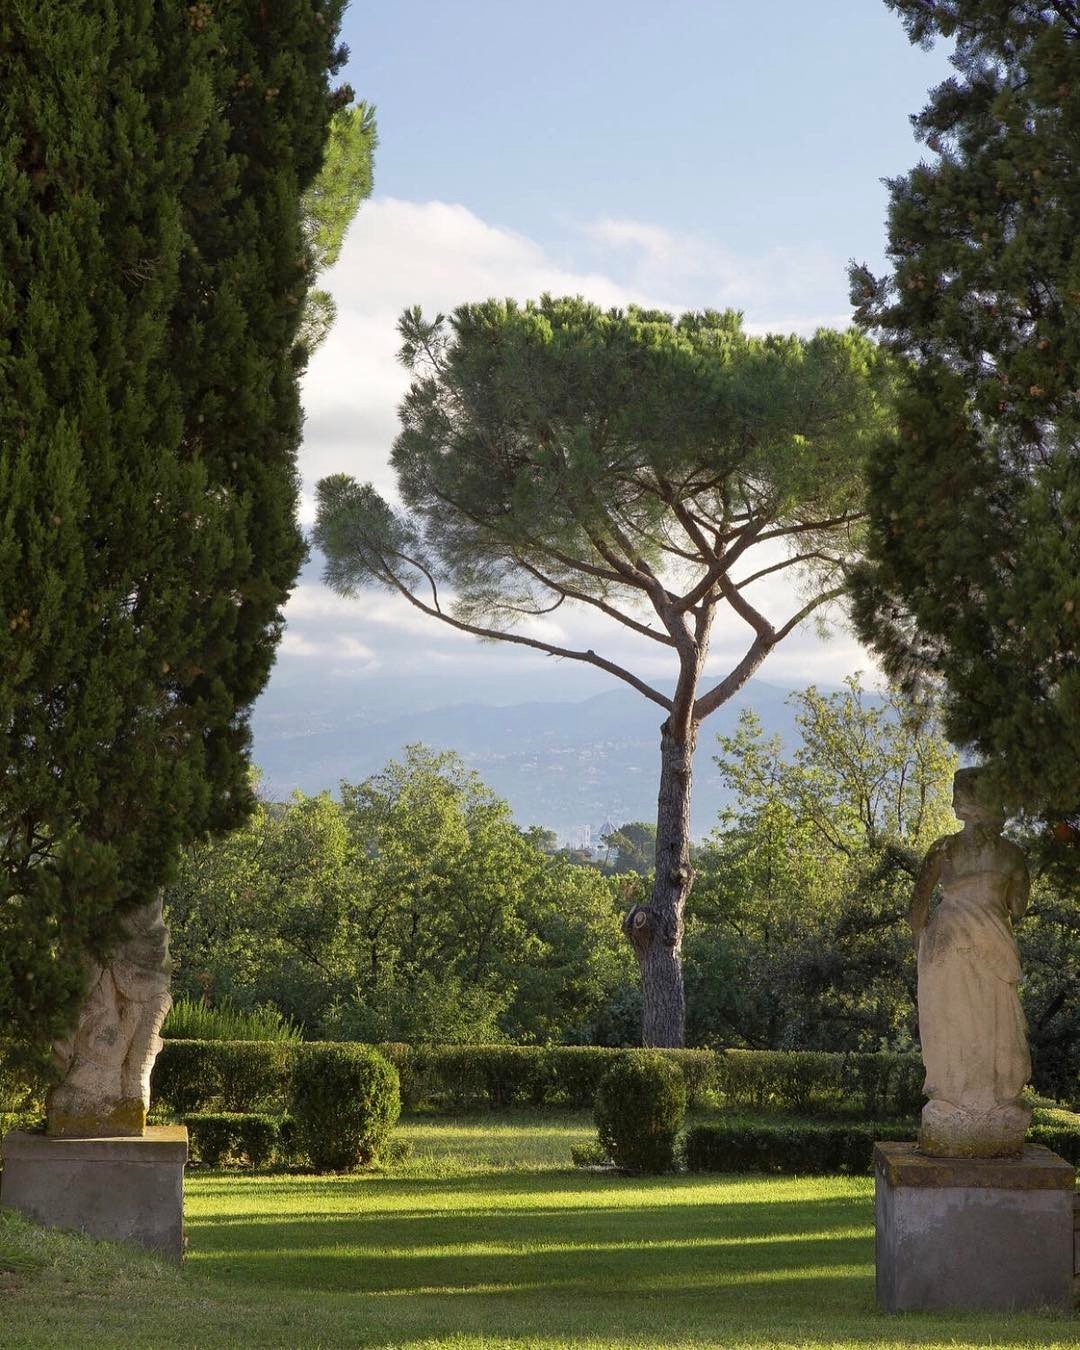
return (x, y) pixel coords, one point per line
(973, 569)
(152, 275)
(649, 469)
(445, 873)
(412, 910)
(261, 915)
(329, 206)
(1049, 940)
(575, 963)
(798, 933)
(633, 846)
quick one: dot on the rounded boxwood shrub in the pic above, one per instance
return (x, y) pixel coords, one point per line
(639, 1109)
(345, 1101)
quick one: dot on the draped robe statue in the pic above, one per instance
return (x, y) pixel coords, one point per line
(971, 1025)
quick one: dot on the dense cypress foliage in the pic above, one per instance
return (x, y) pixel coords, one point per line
(152, 274)
(974, 570)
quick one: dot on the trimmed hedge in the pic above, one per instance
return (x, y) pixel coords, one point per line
(787, 1146)
(246, 1139)
(639, 1110)
(879, 1085)
(345, 1102)
(229, 1076)
(255, 1076)
(809, 1147)
(245, 1076)
(499, 1076)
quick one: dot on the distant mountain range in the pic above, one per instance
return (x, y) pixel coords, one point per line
(563, 764)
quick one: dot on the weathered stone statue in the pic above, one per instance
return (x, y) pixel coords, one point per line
(971, 1024)
(107, 1059)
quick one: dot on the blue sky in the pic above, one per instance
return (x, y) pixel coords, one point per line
(686, 154)
(755, 124)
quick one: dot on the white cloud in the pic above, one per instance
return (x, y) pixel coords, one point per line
(779, 290)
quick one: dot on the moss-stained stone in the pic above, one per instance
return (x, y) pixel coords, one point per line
(1036, 1169)
(126, 1120)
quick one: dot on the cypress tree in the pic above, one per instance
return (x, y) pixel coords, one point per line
(153, 271)
(973, 569)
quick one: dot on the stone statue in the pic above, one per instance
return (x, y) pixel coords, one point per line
(107, 1058)
(971, 1025)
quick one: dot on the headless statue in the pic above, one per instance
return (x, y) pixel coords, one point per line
(971, 1025)
(107, 1058)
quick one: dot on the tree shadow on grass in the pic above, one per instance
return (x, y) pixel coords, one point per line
(555, 1248)
(558, 1260)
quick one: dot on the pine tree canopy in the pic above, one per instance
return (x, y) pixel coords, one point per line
(153, 269)
(555, 452)
(973, 569)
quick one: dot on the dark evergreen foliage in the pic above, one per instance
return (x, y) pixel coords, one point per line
(152, 275)
(973, 574)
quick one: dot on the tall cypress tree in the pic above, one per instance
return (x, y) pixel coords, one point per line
(973, 573)
(153, 271)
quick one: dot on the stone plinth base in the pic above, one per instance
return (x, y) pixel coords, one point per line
(121, 1189)
(973, 1232)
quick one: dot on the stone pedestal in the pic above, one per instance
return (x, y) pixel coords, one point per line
(973, 1232)
(124, 1190)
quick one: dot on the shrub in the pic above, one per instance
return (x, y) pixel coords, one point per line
(589, 1154)
(876, 1085)
(528, 1075)
(254, 1076)
(639, 1109)
(223, 1076)
(807, 1146)
(411, 1064)
(1056, 1129)
(345, 1101)
(794, 1146)
(190, 1020)
(885, 1084)
(249, 1138)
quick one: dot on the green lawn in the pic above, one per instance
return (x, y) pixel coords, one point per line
(484, 1239)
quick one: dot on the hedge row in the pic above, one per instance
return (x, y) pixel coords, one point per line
(806, 1147)
(250, 1076)
(786, 1146)
(246, 1139)
(245, 1076)
(876, 1085)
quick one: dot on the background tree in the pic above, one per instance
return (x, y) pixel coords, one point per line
(152, 275)
(649, 469)
(798, 934)
(330, 205)
(631, 847)
(973, 573)
(412, 910)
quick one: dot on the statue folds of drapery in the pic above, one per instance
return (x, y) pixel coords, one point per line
(971, 1025)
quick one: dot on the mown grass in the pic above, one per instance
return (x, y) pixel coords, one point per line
(484, 1239)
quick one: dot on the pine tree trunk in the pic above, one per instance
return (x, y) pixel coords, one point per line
(656, 929)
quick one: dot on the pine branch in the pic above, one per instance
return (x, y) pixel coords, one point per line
(589, 657)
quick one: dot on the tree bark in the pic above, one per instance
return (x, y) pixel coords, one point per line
(655, 930)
